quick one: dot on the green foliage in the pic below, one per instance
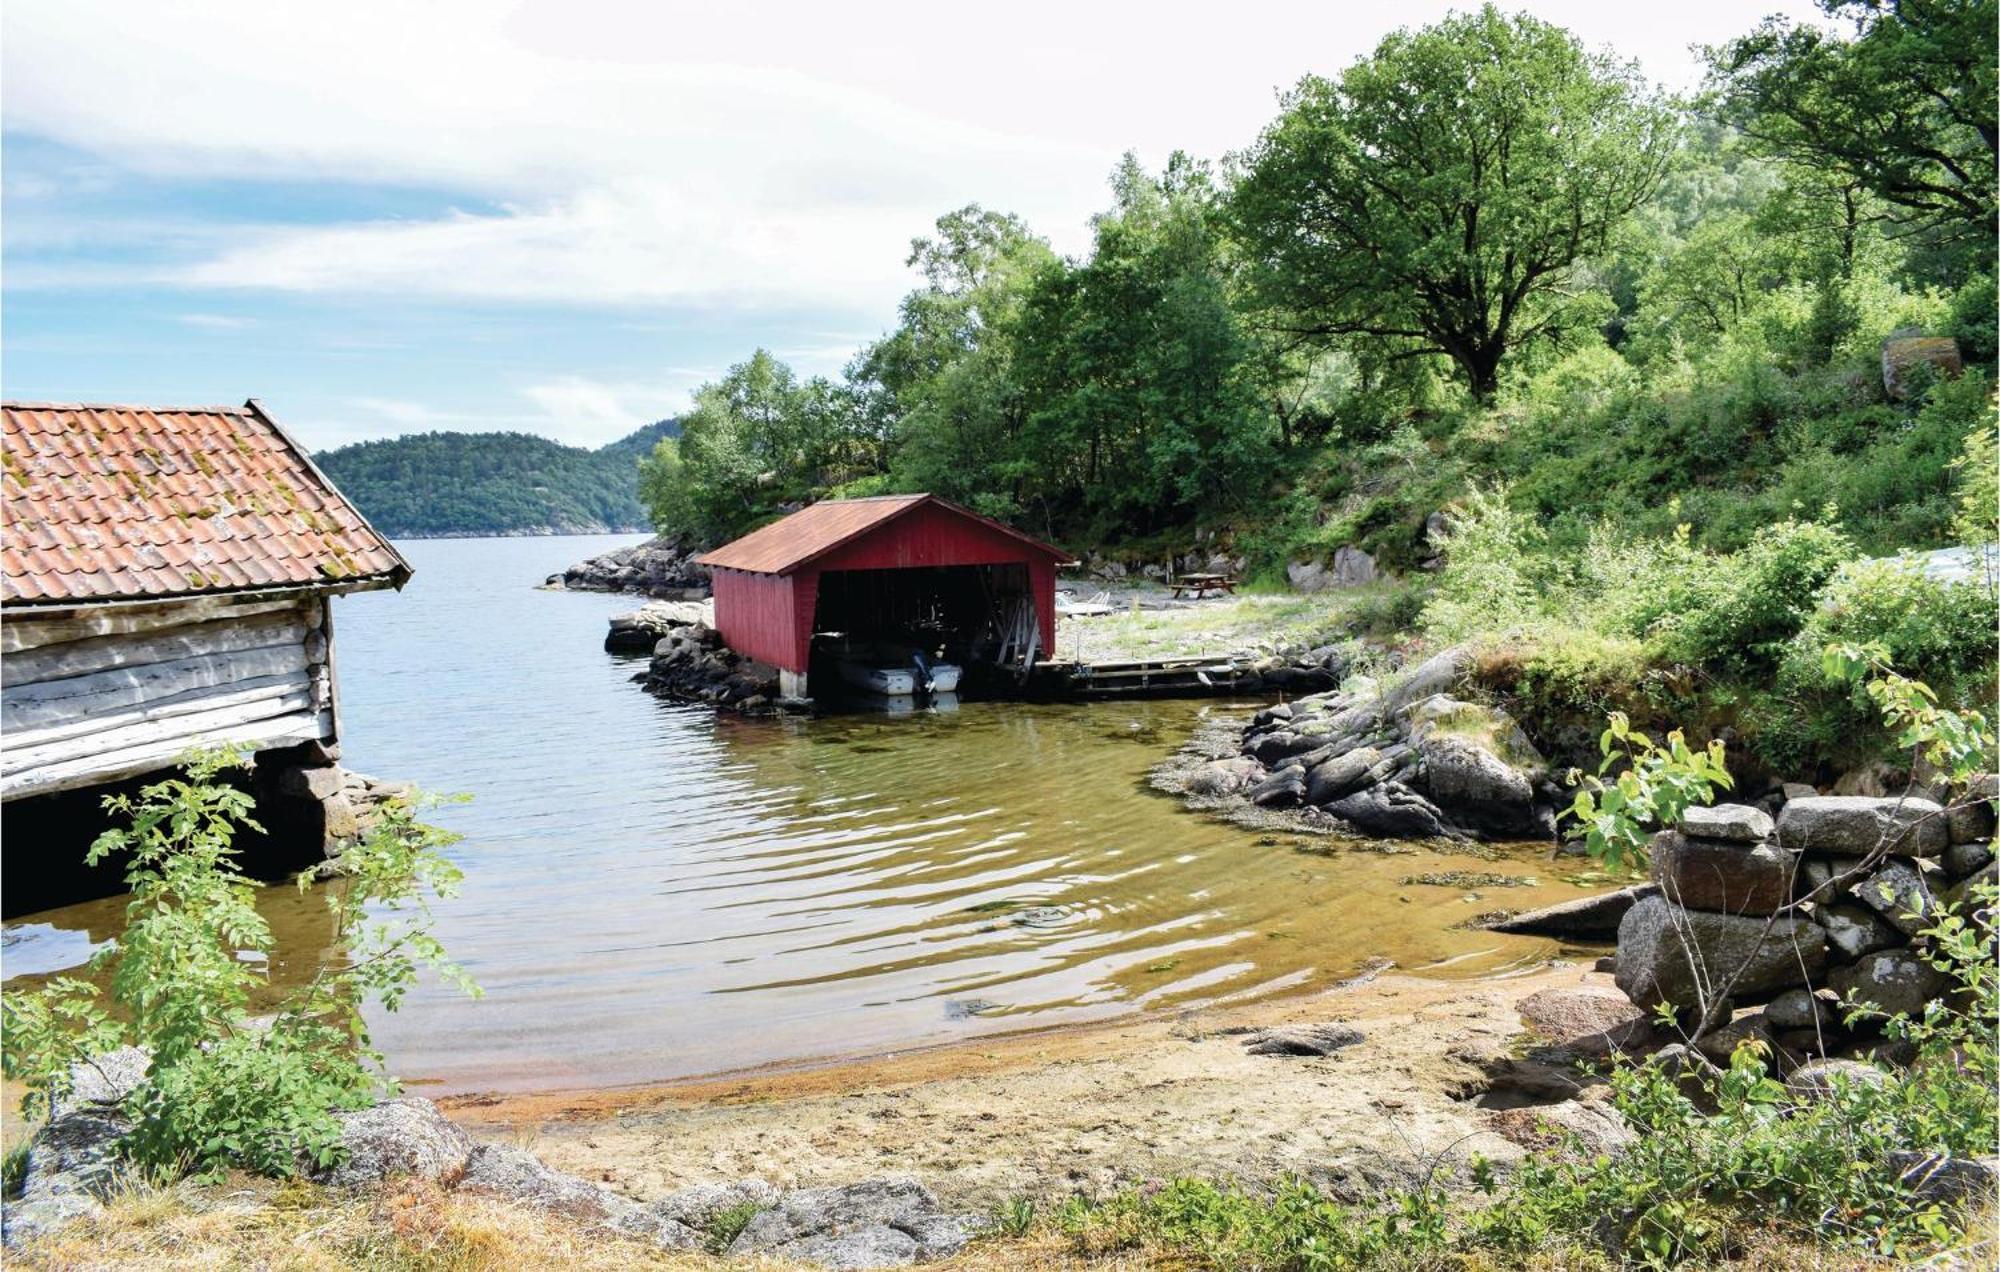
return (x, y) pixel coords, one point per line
(1651, 786)
(1490, 582)
(1435, 196)
(1904, 105)
(430, 484)
(726, 1225)
(1977, 472)
(222, 1089)
(1755, 600)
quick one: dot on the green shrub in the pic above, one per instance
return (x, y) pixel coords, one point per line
(222, 1089)
(1491, 581)
(1759, 599)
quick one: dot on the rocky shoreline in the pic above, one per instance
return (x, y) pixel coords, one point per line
(663, 567)
(1396, 757)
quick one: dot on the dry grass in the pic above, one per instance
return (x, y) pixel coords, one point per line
(1216, 625)
(419, 1227)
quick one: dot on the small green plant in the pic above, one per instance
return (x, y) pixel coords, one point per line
(727, 1225)
(14, 1170)
(223, 1089)
(1655, 784)
(1016, 1217)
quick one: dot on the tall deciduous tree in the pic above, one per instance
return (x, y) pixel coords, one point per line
(1435, 195)
(1906, 105)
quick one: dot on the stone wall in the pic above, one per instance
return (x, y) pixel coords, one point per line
(1808, 914)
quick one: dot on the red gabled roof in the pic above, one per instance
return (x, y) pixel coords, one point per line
(114, 503)
(817, 529)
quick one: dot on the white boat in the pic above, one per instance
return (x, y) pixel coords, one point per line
(890, 681)
(944, 678)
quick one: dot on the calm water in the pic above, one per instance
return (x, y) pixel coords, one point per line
(653, 891)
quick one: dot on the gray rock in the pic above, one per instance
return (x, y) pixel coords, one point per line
(1585, 919)
(880, 1223)
(1725, 876)
(1858, 824)
(1435, 675)
(1585, 1020)
(1460, 773)
(1944, 1180)
(1720, 1043)
(407, 1136)
(1854, 930)
(1302, 1040)
(699, 1205)
(1969, 819)
(1352, 567)
(1282, 789)
(1307, 576)
(1654, 963)
(1893, 982)
(524, 1179)
(1819, 1079)
(1341, 776)
(1392, 811)
(1228, 776)
(1801, 1009)
(104, 1080)
(1815, 873)
(1899, 893)
(1739, 823)
(1964, 859)
(1797, 790)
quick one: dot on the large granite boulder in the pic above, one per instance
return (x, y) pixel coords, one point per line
(1391, 811)
(1655, 966)
(663, 566)
(1891, 983)
(1724, 875)
(1856, 825)
(524, 1179)
(76, 1160)
(1904, 354)
(877, 1224)
(406, 1136)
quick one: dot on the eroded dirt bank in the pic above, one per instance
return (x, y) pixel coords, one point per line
(1084, 1110)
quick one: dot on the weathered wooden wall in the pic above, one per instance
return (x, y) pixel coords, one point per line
(94, 696)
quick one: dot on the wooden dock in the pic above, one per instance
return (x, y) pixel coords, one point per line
(1183, 677)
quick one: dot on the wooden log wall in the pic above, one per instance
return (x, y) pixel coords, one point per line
(98, 696)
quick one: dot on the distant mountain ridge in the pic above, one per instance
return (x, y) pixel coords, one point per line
(439, 485)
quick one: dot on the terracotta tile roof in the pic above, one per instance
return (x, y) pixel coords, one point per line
(817, 529)
(109, 503)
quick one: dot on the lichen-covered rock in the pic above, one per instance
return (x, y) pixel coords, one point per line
(407, 1136)
(1585, 1020)
(698, 1205)
(1820, 1079)
(1227, 776)
(877, 1224)
(1802, 1009)
(1726, 876)
(1737, 823)
(1892, 982)
(1654, 965)
(1856, 825)
(1903, 355)
(524, 1179)
(1900, 893)
(1853, 930)
(1943, 1179)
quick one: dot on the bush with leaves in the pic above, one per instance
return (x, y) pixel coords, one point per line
(223, 1088)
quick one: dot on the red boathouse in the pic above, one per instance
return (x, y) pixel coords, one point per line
(912, 568)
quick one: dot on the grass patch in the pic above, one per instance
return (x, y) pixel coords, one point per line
(728, 1225)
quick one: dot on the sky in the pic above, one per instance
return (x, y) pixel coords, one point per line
(562, 216)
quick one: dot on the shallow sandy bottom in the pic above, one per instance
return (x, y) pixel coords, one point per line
(1083, 1110)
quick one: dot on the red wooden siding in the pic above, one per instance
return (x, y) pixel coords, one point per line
(755, 616)
(769, 616)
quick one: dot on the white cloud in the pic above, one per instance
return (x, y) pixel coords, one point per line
(216, 322)
(620, 152)
(586, 412)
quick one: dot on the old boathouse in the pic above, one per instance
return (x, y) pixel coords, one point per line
(890, 567)
(168, 578)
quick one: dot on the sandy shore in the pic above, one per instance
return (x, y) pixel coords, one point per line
(1080, 1110)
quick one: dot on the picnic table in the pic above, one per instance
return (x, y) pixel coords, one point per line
(1202, 584)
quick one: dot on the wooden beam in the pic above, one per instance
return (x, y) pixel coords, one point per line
(279, 731)
(186, 703)
(105, 653)
(80, 697)
(222, 719)
(24, 629)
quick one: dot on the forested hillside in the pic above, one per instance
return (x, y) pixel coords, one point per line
(1483, 255)
(436, 484)
(1621, 389)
